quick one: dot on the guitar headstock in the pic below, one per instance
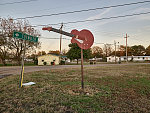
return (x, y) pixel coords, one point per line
(47, 28)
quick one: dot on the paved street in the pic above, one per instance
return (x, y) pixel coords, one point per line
(13, 70)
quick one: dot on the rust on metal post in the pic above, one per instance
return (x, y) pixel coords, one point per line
(82, 81)
(60, 54)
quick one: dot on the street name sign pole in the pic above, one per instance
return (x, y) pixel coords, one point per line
(22, 66)
(25, 37)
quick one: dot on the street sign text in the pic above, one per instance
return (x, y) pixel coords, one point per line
(23, 36)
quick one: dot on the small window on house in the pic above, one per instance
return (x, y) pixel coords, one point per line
(138, 57)
(109, 58)
(42, 60)
(143, 58)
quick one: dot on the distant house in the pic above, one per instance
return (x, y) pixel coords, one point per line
(112, 59)
(94, 60)
(130, 58)
(48, 59)
(123, 58)
(136, 58)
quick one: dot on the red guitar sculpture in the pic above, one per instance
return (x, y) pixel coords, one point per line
(84, 38)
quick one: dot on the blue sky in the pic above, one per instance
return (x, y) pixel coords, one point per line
(104, 31)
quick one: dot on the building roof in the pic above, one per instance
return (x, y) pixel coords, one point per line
(53, 55)
(112, 56)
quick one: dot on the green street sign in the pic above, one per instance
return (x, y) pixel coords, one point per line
(23, 36)
(17, 35)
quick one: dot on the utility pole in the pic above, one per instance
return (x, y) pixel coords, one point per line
(60, 42)
(126, 48)
(119, 53)
(106, 49)
(115, 50)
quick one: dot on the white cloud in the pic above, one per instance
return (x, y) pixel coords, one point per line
(141, 17)
(139, 10)
(99, 15)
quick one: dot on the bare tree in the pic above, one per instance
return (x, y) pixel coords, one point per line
(15, 45)
(97, 51)
(41, 53)
(4, 49)
(107, 49)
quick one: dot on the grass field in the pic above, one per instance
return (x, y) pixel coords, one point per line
(107, 89)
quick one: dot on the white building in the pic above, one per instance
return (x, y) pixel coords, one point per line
(130, 58)
(136, 58)
(48, 59)
(112, 59)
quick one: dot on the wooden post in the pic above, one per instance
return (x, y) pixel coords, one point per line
(82, 81)
(22, 67)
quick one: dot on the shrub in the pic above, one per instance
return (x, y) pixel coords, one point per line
(44, 63)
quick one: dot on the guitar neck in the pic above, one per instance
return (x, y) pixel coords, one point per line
(62, 32)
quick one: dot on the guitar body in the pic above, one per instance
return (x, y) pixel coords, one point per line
(85, 36)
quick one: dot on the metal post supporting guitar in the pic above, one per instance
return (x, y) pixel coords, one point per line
(60, 54)
(84, 35)
(82, 81)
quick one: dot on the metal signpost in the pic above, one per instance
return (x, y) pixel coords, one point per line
(25, 37)
(86, 38)
(82, 80)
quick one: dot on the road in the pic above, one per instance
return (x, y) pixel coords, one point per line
(14, 70)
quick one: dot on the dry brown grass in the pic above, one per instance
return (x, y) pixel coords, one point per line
(123, 88)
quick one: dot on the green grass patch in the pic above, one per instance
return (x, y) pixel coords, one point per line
(107, 89)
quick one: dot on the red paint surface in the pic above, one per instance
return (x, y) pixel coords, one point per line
(85, 35)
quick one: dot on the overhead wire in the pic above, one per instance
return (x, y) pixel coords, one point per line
(105, 18)
(84, 10)
(57, 7)
(112, 33)
(54, 38)
(70, 39)
(9, 3)
(132, 38)
(135, 14)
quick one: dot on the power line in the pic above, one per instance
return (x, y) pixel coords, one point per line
(57, 7)
(9, 3)
(113, 17)
(85, 10)
(54, 38)
(139, 40)
(70, 39)
(106, 18)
